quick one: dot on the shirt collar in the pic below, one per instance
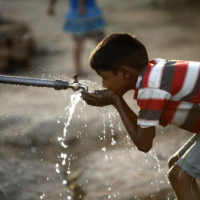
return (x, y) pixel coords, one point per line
(150, 64)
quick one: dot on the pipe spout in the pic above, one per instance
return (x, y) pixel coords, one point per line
(76, 85)
(57, 84)
(83, 87)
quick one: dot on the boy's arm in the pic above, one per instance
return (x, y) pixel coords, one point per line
(141, 137)
(51, 10)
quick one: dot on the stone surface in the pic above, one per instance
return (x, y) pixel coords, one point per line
(124, 174)
(26, 132)
(31, 180)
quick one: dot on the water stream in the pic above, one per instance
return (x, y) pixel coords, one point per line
(111, 123)
(71, 108)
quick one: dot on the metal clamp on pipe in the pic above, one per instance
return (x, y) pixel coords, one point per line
(61, 85)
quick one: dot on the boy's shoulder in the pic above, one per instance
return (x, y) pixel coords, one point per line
(162, 72)
(159, 62)
(167, 75)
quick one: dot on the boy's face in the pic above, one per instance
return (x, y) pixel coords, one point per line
(113, 82)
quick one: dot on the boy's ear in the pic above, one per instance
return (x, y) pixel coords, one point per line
(125, 71)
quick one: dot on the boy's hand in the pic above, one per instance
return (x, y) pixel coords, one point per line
(99, 97)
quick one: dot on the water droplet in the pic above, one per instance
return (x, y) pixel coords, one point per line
(104, 149)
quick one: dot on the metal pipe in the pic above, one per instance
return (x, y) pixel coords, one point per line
(57, 84)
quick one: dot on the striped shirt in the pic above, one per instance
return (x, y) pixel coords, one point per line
(168, 92)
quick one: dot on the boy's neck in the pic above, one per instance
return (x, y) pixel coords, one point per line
(134, 78)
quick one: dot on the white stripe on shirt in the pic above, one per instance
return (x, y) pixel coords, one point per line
(151, 93)
(143, 123)
(160, 60)
(181, 113)
(189, 82)
(138, 81)
(156, 75)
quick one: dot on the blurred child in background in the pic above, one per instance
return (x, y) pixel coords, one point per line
(84, 19)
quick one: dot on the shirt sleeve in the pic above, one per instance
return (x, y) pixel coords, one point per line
(151, 102)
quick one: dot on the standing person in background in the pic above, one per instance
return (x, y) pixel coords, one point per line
(83, 20)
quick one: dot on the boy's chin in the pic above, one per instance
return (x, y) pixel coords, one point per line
(119, 93)
(122, 93)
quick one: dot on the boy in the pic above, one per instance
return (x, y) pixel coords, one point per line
(167, 92)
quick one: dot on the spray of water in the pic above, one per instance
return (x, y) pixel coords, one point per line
(74, 100)
(104, 111)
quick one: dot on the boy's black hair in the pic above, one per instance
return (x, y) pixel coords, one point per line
(116, 50)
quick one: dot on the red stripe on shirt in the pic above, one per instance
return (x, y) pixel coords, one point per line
(179, 76)
(169, 111)
(136, 94)
(150, 64)
(196, 98)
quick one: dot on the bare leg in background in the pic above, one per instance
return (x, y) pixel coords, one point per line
(77, 55)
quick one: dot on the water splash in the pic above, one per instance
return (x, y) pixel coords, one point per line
(153, 154)
(42, 196)
(64, 156)
(57, 168)
(104, 123)
(113, 142)
(75, 98)
(70, 109)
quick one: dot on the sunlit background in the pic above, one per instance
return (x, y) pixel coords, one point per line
(99, 161)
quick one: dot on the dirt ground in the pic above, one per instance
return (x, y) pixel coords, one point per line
(171, 33)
